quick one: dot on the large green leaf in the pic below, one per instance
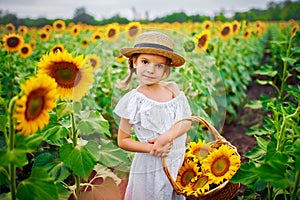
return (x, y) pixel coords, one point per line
(272, 174)
(54, 132)
(91, 122)
(79, 158)
(55, 167)
(245, 176)
(111, 155)
(266, 70)
(38, 186)
(63, 109)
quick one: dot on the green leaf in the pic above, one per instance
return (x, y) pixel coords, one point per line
(291, 61)
(54, 132)
(262, 143)
(63, 109)
(245, 175)
(266, 70)
(297, 154)
(273, 175)
(91, 122)
(111, 155)
(55, 167)
(254, 104)
(38, 186)
(3, 121)
(79, 159)
(263, 82)
(255, 154)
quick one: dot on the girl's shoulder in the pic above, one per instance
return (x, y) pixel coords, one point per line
(172, 86)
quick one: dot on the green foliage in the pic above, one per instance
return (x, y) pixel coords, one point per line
(272, 171)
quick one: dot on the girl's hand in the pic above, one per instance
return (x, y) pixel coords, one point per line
(161, 146)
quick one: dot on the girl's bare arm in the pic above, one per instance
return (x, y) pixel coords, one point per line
(127, 143)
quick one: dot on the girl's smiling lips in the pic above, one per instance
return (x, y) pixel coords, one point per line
(149, 77)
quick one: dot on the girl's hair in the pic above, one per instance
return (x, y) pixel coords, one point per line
(132, 69)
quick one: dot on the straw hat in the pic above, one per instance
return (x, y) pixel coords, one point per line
(157, 43)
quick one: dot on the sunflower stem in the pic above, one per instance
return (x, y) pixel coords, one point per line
(11, 145)
(74, 139)
(296, 186)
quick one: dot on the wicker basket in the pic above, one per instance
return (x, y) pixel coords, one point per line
(225, 190)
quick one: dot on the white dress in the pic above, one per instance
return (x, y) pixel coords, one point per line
(149, 118)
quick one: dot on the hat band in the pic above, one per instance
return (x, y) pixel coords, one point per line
(151, 45)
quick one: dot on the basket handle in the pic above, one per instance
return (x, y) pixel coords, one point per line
(211, 128)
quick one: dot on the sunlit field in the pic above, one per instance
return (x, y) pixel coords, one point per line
(59, 84)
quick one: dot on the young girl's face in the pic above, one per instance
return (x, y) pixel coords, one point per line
(150, 69)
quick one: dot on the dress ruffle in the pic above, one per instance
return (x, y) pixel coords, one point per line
(152, 115)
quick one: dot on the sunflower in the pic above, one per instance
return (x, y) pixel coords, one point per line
(226, 31)
(222, 163)
(25, 50)
(73, 78)
(96, 36)
(207, 25)
(235, 27)
(198, 150)
(199, 186)
(58, 47)
(85, 42)
(12, 42)
(32, 44)
(23, 30)
(294, 29)
(133, 29)
(59, 25)
(43, 35)
(10, 28)
(187, 173)
(48, 28)
(189, 46)
(247, 34)
(33, 107)
(75, 30)
(93, 60)
(120, 58)
(112, 31)
(202, 40)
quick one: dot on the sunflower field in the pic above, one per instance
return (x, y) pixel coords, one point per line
(60, 83)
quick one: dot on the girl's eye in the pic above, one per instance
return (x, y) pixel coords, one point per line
(160, 66)
(144, 62)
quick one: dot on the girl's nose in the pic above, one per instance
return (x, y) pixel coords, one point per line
(151, 68)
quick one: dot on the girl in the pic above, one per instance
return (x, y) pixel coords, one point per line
(151, 110)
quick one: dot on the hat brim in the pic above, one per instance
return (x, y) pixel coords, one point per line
(177, 60)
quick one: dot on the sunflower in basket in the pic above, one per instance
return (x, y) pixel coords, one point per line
(205, 167)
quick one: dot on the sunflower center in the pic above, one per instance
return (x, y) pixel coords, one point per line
(234, 27)
(202, 40)
(225, 31)
(220, 166)
(43, 36)
(58, 25)
(201, 152)
(201, 182)
(25, 50)
(93, 62)
(133, 31)
(13, 42)
(66, 74)
(57, 49)
(35, 104)
(187, 176)
(111, 33)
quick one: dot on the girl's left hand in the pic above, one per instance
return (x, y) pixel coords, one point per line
(161, 146)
